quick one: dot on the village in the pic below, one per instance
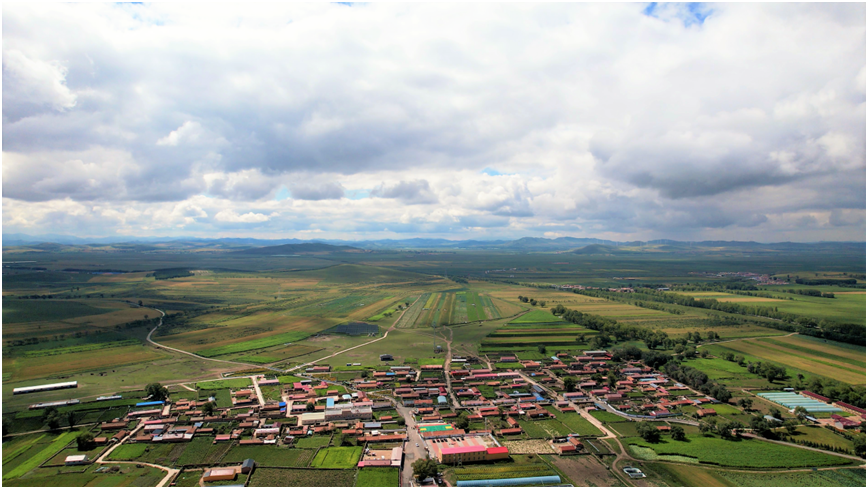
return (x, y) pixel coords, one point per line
(464, 412)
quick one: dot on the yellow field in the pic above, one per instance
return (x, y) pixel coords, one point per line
(40, 367)
(369, 310)
(800, 341)
(124, 277)
(67, 326)
(857, 292)
(851, 374)
(227, 330)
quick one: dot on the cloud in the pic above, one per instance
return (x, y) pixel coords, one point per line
(408, 192)
(310, 191)
(623, 120)
(229, 215)
(31, 85)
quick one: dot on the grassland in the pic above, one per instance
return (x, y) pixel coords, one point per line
(36, 310)
(739, 453)
(378, 477)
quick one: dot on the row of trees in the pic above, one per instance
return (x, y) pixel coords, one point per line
(697, 379)
(845, 332)
(532, 302)
(606, 326)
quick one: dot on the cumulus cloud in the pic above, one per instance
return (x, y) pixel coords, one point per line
(408, 192)
(312, 191)
(625, 120)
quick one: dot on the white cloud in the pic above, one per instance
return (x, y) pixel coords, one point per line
(600, 119)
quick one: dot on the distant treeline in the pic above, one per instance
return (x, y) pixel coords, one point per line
(826, 281)
(844, 332)
(167, 273)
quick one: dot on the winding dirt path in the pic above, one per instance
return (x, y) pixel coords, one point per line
(102, 458)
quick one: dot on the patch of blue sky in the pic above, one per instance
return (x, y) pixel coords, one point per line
(491, 171)
(690, 13)
(357, 194)
(282, 194)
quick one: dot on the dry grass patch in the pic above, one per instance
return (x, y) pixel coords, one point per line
(529, 446)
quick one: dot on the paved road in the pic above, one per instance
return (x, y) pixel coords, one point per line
(411, 451)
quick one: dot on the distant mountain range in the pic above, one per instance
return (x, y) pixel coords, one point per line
(289, 249)
(587, 246)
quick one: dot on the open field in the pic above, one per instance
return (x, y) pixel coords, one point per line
(378, 477)
(821, 478)
(585, 471)
(799, 358)
(302, 478)
(739, 453)
(269, 456)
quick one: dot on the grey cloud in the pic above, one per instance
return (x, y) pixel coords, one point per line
(408, 192)
(311, 191)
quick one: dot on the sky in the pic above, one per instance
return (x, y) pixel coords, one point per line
(623, 121)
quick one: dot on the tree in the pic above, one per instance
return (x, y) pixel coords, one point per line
(648, 432)
(600, 341)
(800, 412)
(85, 441)
(208, 408)
(745, 403)
(542, 303)
(859, 445)
(760, 426)
(463, 422)
(51, 418)
(424, 468)
(677, 433)
(309, 406)
(7, 426)
(569, 384)
(533, 302)
(790, 425)
(541, 349)
(140, 303)
(679, 349)
(157, 392)
(706, 428)
(71, 418)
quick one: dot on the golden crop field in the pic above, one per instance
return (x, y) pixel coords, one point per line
(226, 330)
(23, 368)
(800, 359)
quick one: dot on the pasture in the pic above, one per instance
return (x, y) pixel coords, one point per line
(337, 457)
(378, 477)
(738, 453)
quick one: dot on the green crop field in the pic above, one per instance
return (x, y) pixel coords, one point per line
(740, 453)
(223, 384)
(378, 477)
(22, 311)
(337, 457)
(302, 478)
(313, 442)
(33, 461)
(269, 456)
(822, 478)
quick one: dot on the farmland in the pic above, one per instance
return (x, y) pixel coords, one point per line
(740, 453)
(337, 457)
(804, 357)
(302, 478)
(282, 312)
(377, 477)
